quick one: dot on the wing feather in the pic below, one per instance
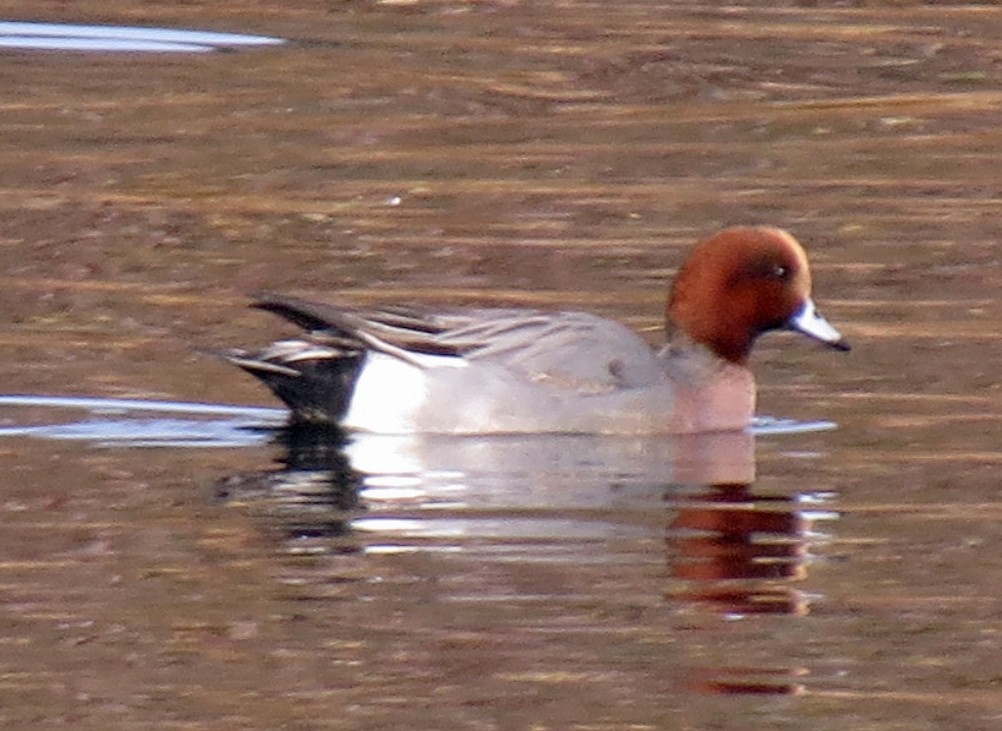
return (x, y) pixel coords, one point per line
(572, 349)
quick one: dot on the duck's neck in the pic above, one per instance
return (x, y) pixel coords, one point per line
(694, 359)
(717, 394)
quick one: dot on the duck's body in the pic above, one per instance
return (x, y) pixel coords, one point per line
(484, 371)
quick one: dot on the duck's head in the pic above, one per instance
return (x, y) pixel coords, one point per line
(742, 282)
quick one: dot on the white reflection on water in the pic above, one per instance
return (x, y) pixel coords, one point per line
(71, 37)
(141, 423)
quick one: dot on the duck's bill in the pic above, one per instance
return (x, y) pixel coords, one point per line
(812, 323)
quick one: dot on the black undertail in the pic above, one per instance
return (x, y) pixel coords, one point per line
(316, 390)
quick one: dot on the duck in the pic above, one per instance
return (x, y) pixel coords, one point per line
(483, 371)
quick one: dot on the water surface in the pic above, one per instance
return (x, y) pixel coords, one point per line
(546, 155)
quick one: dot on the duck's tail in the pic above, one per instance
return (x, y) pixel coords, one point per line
(314, 381)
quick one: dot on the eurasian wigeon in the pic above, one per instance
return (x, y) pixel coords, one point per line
(402, 370)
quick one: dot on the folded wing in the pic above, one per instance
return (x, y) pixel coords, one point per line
(570, 349)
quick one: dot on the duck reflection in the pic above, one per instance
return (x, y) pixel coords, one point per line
(739, 553)
(313, 494)
(728, 551)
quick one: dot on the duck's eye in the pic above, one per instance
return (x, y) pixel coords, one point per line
(768, 269)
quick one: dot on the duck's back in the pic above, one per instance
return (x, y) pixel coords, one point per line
(573, 350)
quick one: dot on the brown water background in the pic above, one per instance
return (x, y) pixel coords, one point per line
(544, 153)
